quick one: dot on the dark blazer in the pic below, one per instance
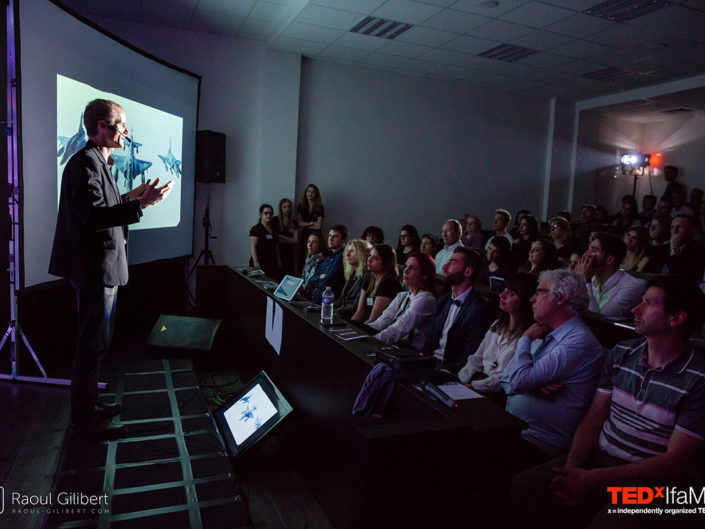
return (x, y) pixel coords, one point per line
(91, 227)
(466, 333)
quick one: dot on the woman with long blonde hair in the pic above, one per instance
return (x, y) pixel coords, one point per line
(355, 256)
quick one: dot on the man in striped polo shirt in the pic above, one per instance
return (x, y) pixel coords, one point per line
(646, 424)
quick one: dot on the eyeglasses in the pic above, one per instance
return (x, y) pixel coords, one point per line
(555, 226)
(628, 237)
(655, 226)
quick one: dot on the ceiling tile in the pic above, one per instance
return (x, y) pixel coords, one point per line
(342, 53)
(359, 6)
(405, 49)
(383, 60)
(442, 3)
(363, 42)
(235, 7)
(490, 77)
(299, 30)
(513, 69)
(469, 45)
(579, 67)
(443, 56)
(617, 36)
(455, 21)
(216, 23)
(575, 5)
(670, 19)
(580, 25)
(418, 66)
(545, 60)
(327, 17)
(580, 49)
(537, 15)
(304, 47)
(176, 17)
(499, 31)
(256, 28)
(270, 11)
(473, 6)
(426, 36)
(541, 40)
(406, 11)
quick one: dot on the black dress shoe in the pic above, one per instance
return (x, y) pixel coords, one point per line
(107, 411)
(98, 429)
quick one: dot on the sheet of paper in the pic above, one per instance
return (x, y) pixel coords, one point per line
(273, 324)
(458, 391)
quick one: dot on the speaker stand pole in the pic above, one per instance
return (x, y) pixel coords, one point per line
(206, 253)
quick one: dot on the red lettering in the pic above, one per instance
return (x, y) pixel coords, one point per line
(629, 495)
(646, 495)
(659, 492)
(614, 491)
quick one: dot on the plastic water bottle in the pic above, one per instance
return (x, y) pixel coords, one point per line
(327, 306)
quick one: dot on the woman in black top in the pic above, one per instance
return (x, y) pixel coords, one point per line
(309, 216)
(528, 232)
(562, 238)
(288, 234)
(499, 260)
(381, 287)
(355, 258)
(409, 242)
(264, 244)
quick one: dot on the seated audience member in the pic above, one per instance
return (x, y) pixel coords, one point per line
(664, 207)
(562, 239)
(408, 318)
(463, 220)
(264, 244)
(659, 244)
(483, 369)
(451, 240)
(574, 261)
(550, 383)
(588, 214)
(700, 221)
(499, 261)
(514, 232)
(357, 252)
(330, 271)
(646, 423)
(429, 245)
(648, 209)
(687, 256)
(500, 224)
(409, 242)
(637, 241)
(679, 205)
(670, 173)
(627, 217)
(309, 214)
(381, 286)
(542, 256)
(461, 317)
(288, 231)
(315, 252)
(373, 235)
(528, 233)
(696, 199)
(473, 236)
(602, 217)
(612, 292)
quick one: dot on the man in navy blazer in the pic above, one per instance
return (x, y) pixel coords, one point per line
(462, 317)
(90, 250)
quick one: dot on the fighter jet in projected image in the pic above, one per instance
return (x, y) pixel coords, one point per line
(171, 164)
(70, 146)
(129, 166)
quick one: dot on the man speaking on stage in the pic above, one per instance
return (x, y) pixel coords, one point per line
(90, 250)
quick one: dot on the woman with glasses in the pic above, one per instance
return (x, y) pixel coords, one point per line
(264, 244)
(473, 237)
(409, 242)
(659, 245)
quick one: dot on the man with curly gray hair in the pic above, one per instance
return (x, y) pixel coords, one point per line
(552, 377)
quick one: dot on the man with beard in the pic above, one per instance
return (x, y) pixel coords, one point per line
(451, 240)
(462, 317)
(646, 423)
(613, 292)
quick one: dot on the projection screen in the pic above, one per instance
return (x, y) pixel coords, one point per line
(64, 64)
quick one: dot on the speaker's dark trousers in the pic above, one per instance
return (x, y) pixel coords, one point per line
(96, 321)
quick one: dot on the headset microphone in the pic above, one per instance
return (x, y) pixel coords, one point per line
(113, 127)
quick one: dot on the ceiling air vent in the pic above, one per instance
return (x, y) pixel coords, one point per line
(623, 10)
(507, 53)
(610, 74)
(381, 27)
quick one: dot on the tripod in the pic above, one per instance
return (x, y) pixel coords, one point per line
(206, 253)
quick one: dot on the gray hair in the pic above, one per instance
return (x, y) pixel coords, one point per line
(568, 284)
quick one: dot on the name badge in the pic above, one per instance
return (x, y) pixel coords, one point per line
(370, 302)
(322, 276)
(269, 236)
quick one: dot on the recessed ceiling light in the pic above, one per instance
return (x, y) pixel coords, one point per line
(489, 4)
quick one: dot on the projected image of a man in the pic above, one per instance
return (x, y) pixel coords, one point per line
(90, 250)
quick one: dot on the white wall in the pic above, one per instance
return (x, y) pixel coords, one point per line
(389, 149)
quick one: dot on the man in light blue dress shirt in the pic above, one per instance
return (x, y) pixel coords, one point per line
(551, 380)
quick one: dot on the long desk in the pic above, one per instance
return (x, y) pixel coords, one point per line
(420, 465)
